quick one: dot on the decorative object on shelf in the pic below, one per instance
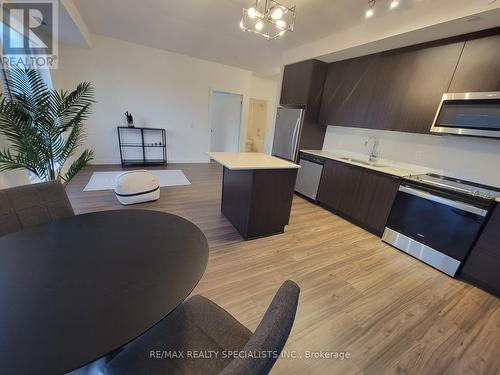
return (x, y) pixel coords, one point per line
(130, 119)
(43, 127)
(268, 18)
(143, 133)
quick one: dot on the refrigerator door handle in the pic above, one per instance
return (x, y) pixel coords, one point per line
(295, 137)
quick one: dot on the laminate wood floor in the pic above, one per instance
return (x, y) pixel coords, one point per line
(392, 313)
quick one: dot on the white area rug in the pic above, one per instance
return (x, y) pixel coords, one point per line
(107, 180)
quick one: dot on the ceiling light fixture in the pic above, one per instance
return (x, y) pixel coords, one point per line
(281, 24)
(277, 13)
(252, 12)
(394, 4)
(268, 18)
(371, 9)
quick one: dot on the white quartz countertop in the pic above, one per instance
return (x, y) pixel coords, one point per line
(250, 160)
(382, 166)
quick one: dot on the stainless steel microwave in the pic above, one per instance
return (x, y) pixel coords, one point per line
(474, 114)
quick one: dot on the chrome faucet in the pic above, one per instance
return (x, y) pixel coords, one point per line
(374, 153)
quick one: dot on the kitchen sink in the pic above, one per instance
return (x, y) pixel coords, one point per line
(367, 163)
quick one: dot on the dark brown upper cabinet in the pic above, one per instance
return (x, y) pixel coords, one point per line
(479, 66)
(303, 86)
(348, 92)
(396, 90)
(410, 84)
(296, 83)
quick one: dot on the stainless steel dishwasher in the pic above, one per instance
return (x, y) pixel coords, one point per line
(309, 175)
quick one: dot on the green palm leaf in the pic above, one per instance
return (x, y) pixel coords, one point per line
(44, 127)
(78, 164)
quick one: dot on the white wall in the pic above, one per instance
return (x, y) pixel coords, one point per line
(160, 88)
(469, 158)
(13, 178)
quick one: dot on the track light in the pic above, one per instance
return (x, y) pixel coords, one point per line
(371, 9)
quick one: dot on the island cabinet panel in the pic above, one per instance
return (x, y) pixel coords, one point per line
(479, 66)
(258, 201)
(362, 196)
(397, 90)
(482, 267)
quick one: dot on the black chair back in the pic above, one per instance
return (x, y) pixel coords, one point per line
(30, 205)
(270, 336)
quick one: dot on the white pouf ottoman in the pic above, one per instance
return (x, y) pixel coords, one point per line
(137, 187)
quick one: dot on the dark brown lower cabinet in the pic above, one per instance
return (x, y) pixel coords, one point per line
(482, 267)
(258, 201)
(361, 195)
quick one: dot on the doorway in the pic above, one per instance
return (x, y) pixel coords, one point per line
(225, 121)
(257, 126)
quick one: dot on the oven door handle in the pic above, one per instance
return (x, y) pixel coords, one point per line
(448, 202)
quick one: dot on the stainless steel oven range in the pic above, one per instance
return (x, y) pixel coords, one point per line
(437, 219)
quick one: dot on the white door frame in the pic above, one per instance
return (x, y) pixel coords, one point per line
(210, 106)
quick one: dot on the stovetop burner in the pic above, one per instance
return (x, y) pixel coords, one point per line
(457, 185)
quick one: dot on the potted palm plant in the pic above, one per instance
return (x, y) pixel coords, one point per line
(43, 126)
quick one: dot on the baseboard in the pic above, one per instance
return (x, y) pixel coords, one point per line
(205, 161)
(117, 162)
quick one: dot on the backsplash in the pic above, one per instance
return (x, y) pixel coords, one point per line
(474, 159)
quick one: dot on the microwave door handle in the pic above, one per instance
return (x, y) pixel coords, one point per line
(448, 202)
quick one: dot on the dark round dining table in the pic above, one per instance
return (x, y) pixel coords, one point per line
(76, 289)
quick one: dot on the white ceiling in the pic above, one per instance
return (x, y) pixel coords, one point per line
(208, 29)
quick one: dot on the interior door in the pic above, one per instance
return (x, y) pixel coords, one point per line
(225, 122)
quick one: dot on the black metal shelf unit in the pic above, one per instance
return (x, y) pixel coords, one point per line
(160, 143)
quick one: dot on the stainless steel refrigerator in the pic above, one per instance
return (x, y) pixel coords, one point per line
(287, 132)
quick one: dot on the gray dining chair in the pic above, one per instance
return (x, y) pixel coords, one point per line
(200, 326)
(28, 205)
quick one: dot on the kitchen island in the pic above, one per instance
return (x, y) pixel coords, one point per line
(257, 192)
